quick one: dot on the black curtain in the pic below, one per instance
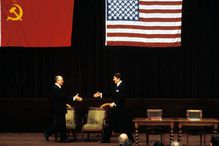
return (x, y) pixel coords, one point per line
(189, 71)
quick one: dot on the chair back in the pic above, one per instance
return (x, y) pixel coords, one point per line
(96, 115)
(193, 114)
(154, 114)
(70, 118)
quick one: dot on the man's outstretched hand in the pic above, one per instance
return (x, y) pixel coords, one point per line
(78, 98)
(97, 94)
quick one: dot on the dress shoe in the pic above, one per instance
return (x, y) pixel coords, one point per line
(46, 136)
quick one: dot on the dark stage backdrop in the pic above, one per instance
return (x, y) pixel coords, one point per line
(187, 72)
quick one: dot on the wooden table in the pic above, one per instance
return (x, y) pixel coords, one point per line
(183, 122)
(148, 122)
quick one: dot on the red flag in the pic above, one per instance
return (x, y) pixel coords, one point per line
(36, 23)
(146, 23)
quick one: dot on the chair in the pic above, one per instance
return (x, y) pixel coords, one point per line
(154, 114)
(95, 121)
(194, 115)
(71, 122)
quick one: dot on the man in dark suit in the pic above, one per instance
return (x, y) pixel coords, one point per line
(59, 109)
(117, 115)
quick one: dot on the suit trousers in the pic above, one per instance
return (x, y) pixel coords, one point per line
(59, 125)
(117, 118)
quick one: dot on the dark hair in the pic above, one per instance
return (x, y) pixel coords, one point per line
(117, 75)
(215, 140)
(158, 143)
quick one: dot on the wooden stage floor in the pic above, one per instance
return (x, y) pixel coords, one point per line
(37, 139)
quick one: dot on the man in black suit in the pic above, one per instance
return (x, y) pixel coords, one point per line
(59, 109)
(117, 115)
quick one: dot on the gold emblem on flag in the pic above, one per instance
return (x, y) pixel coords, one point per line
(17, 14)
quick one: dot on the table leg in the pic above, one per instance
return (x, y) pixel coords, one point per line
(180, 132)
(171, 135)
(171, 132)
(180, 135)
(136, 133)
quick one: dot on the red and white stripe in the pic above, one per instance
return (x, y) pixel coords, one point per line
(159, 25)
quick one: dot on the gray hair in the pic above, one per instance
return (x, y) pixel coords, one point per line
(57, 77)
(122, 137)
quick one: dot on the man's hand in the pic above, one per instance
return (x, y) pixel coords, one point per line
(78, 98)
(68, 106)
(112, 104)
(97, 94)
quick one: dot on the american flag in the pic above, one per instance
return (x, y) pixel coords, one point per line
(145, 23)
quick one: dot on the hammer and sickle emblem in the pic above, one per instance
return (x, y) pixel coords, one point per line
(18, 16)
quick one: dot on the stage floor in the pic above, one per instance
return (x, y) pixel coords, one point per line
(37, 139)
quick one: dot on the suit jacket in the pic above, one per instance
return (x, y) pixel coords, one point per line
(118, 94)
(59, 100)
